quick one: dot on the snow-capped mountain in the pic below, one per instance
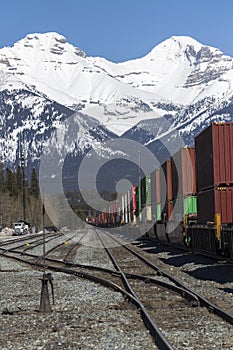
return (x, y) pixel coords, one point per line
(181, 86)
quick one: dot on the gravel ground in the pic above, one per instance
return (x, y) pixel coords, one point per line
(89, 316)
(207, 283)
(85, 315)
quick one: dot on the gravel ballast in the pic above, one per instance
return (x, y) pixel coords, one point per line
(85, 315)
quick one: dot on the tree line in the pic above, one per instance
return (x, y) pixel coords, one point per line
(15, 190)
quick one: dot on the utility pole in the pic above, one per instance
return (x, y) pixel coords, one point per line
(23, 164)
(2, 146)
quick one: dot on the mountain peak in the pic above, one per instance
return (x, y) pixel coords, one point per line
(45, 37)
(175, 45)
(178, 45)
(48, 42)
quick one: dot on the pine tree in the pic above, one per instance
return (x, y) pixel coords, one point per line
(11, 183)
(2, 178)
(34, 184)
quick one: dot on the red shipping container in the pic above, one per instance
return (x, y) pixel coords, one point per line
(214, 156)
(113, 207)
(166, 181)
(134, 198)
(215, 201)
(105, 214)
(183, 168)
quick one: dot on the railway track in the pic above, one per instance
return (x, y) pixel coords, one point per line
(167, 303)
(153, 291)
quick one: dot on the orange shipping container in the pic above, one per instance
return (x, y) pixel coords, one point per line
(183, 173)
(214, 156)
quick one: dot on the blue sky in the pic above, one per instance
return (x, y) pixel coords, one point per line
(119, 30)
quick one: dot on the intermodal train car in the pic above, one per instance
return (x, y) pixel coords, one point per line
(189, 199)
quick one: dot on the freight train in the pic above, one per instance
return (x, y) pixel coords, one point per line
(188, 200)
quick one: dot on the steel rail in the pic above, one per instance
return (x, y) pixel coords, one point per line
(72, 248)
(157, 335)
(58, 245)
(160, 340)
(202, 300)
(24, 238)
(32, 244)
(192, 299)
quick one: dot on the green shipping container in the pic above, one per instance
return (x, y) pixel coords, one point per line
(139, 202)
(139, 198)
(190, 205)
(159, 212)
(184, 206)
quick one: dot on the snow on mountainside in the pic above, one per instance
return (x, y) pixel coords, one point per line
(61, 71)
(180, 70)
(181, 85)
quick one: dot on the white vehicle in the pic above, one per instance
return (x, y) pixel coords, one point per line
(20, 228)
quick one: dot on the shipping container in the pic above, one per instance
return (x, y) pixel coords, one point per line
(146, 191)
(184, 206)
(158, 212)
(166, 181)
(139, 202)
(154, 212)
(214, 150)
(158, 184)
(148, 213)
(134, 198)
(155, 183)
(215, 201)
(153, 188)
(183, 168)
(190, 205)
(126, 208)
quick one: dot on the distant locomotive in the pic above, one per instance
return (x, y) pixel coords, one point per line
(189, 199)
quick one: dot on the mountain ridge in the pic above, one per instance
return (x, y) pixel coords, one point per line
(180, 83)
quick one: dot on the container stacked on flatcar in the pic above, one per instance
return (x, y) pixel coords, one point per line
(184, 184)
(166, 191)
(139, 202)
(153, 195)
(193, 183)
(214, 163)
(156, 210)
(162, 210)
(146, 198)
(214, 154)
(134, 204)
